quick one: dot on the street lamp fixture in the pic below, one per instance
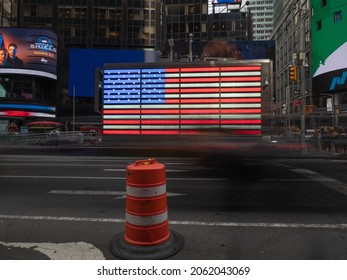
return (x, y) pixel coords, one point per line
(246, 4)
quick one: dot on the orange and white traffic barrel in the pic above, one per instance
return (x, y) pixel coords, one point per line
(147, 234)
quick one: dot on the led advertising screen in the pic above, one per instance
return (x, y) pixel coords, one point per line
(225, 1)
(26, 110)
(218, 6)
(241, 50)
(28, 51)
(329, 47)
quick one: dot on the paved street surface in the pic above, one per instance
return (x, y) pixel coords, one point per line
(70, 207)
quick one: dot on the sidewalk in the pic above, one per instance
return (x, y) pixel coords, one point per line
(332, 147)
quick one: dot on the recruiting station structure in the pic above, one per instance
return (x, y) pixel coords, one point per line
(183, 99)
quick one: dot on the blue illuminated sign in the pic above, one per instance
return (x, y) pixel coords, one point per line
(226, 1)
(338, 80)
(27, 107)
(82, 64)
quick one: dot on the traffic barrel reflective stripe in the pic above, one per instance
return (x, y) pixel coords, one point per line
(146, 220)
(146, 200)
(147, 234)
(146, 192)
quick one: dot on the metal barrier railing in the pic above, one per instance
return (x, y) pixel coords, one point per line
(67, 138)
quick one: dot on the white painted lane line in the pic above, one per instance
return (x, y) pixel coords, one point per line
(287, 180)
(324, 180)
(169, 178)
(184, 223)
(124, 170)
(61, 251)
(72, 192)
(60, 177)
(262, 225)
(58, 164)
(111, 193)
(68, 158)
(101, 178)
(196, 179)
(115, 194)
(63, 219)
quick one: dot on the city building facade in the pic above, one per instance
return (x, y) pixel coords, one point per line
(262, 16)
(311, 73)
(85, 24)
(293, 93)
(206, 20)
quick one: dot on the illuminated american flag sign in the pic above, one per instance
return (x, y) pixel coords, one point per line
(178, 100)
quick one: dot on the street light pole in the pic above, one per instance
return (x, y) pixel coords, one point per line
(190, 47)
(302, 76)
(171, 44)
(73, 109)
(288, 105)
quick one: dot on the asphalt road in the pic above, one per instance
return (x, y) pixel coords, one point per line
(70, 207)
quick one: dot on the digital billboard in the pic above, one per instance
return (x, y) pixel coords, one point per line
(225, 1)
(26, 110)
(28, 51)
(246, 49)
(218, 6)
(329, 47)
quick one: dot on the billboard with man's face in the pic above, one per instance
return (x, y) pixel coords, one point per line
(28, 51)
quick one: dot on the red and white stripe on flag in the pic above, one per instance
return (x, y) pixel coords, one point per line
(178, 100)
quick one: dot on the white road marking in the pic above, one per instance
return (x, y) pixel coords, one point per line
(61, 177)
(339, 160)
(325, 180)
(64, 219)
(196, 179)
(120, 194)
(72, 192)
(184, 223)
(61, 251)
(114, 169)
(168, 178)
(101, 178)
(124, 170)
(58, 164)
(287, 180)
